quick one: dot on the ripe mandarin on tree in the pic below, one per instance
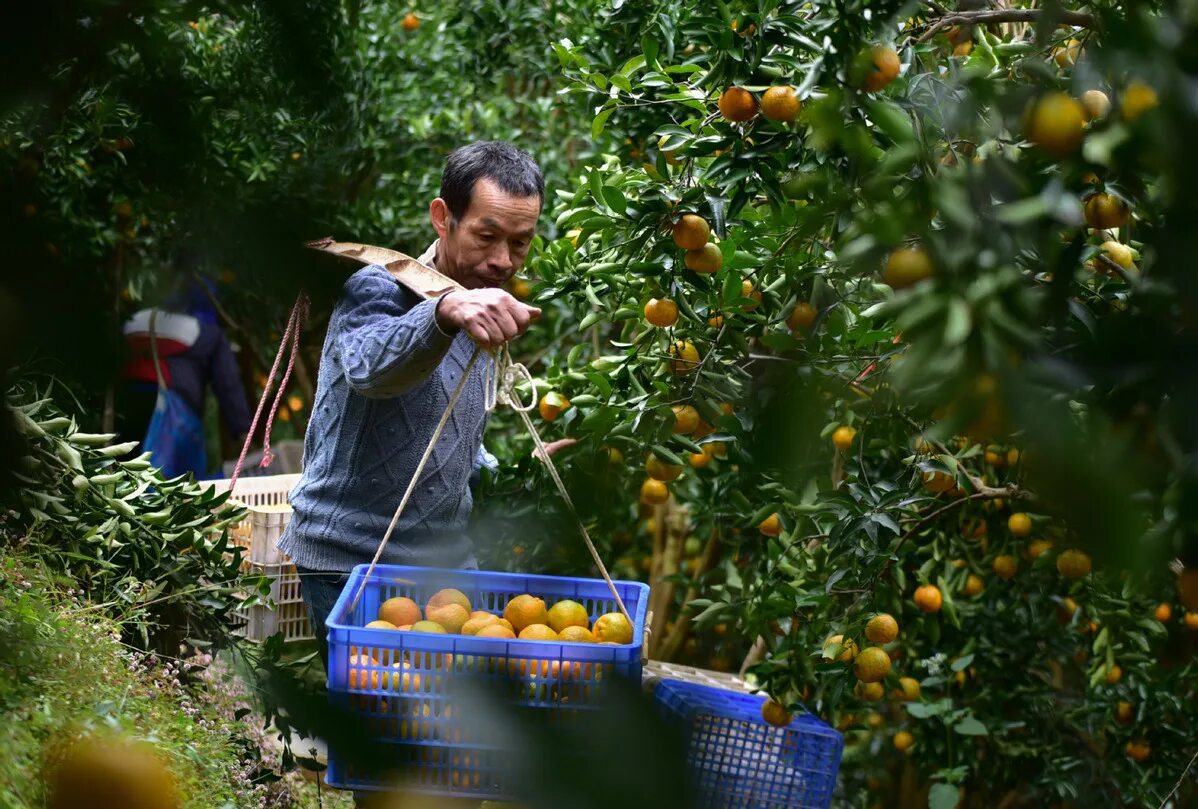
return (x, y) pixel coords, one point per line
(775, 714)
(1019, 524)
(1136, 100)
(973, 586)
(706, 259)
(1103, 211)
(881, 629)
(839, 649)
(908, 690)
(801, 318)
(661, 312)
(684, 357)
(1073, 564)
(869, 692)
(654, 492)
(1005, 566)
(780, 104)
(842, 437)
(1056, 123)
(903, 741)
(552, 405)
(882, 66)
(771, 526)
(871, 665)
(737, 105)
(691, 231)
(1095, 104)
(660, 470)
(410, 21)
(1163, 612)
(906, 267)
(686, 419)
(928, 598)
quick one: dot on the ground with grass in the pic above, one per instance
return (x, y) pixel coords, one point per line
(64, 673)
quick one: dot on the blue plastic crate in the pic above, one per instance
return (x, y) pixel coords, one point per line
(403, 683)
(740, 761)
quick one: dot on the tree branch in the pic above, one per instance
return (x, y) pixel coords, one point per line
(987, 16)
(1180, 781)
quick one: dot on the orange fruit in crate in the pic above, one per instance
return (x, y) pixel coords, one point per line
(404, 679)
(612, 627)
(448, 596)
(428, 626)
(506, 624)
(525, 610)
(360, 676)
(404, 628)
(495, 630)
(451, 616)
(399, 611)
(112, 772)
(775, 714)
(568, 613)
(472, 626)
(537, 632)
(576, 634)
(380, 625)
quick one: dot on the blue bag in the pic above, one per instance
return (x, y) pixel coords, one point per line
(175, 437)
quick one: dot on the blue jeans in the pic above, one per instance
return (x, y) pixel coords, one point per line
(320, 591)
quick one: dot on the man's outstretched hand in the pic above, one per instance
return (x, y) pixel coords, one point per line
(490, 316)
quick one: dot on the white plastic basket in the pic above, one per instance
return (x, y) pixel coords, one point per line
(655, 671)
(258, 534)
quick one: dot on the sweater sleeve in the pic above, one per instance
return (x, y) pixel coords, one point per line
(387, 346)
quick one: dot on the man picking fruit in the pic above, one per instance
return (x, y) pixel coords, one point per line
(389, 365)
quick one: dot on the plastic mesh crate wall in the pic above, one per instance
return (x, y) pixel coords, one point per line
(739, 761)
(258, 534)
(402, 683)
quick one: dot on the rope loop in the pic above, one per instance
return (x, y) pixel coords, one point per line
(503, 378)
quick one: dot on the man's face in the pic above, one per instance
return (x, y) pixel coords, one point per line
(490, 242)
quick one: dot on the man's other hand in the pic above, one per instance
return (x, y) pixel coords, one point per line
(490, 316)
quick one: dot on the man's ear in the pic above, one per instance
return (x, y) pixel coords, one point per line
(440, 217)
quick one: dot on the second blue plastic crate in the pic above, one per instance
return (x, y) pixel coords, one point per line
(739, 761)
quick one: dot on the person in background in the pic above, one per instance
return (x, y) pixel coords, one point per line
(193, 355)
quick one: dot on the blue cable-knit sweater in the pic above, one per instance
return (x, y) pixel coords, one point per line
(386, 374)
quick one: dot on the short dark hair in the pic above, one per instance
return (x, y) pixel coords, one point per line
(512, 169)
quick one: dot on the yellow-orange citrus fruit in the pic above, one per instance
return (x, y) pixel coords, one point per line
(1113, 675)
(520, 289)
(884, 67)
(552, 405)
(1005, 566)
(568, 613)
(963, 48)
(842, 437)
(937, 482)
(715, 321)
(1012, 456)
(1037, 548)
(871, 665)
(1066, 610)
(525, 610)
(661, 312)
(1019, 524)
(737, 104)
(658, 469)
(869, 692)
(380, 625)
(1067, 53)
(771, 526)
(1125, 712)
(906, 267)
(1103, 210)
(614, 455)
(612, 627)
(1137, 751)
(359, 669)
(1056, 123)
(410, 21)
(684, 357)
(801, 317)
(707, 259)
(903, 741)
(496, 631)
(1163, 612)
(928, 598)
(699, 460)
(747, 291)
(576, 634)
(1187, 587)
(774, 714)
(451, 616)
(1119, 253)
(654, 492)
(691, 231)
(477, 623)
(399, 611)
(881, 629)
(780, 104)
(847, 651)
(574, 235)
(1190, 619)
(908, 690)
(110, 772)
(1073, 564)
(686, 419)
(973, 586)
(1136, 100)
(537, 632)
(448, 596)
(1095, 104)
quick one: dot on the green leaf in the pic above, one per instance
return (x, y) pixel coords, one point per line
(970, 726)
(615, 200)
(961, 663)
(958, 323)
(600, 122)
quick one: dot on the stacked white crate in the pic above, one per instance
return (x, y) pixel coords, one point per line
(265, 498)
